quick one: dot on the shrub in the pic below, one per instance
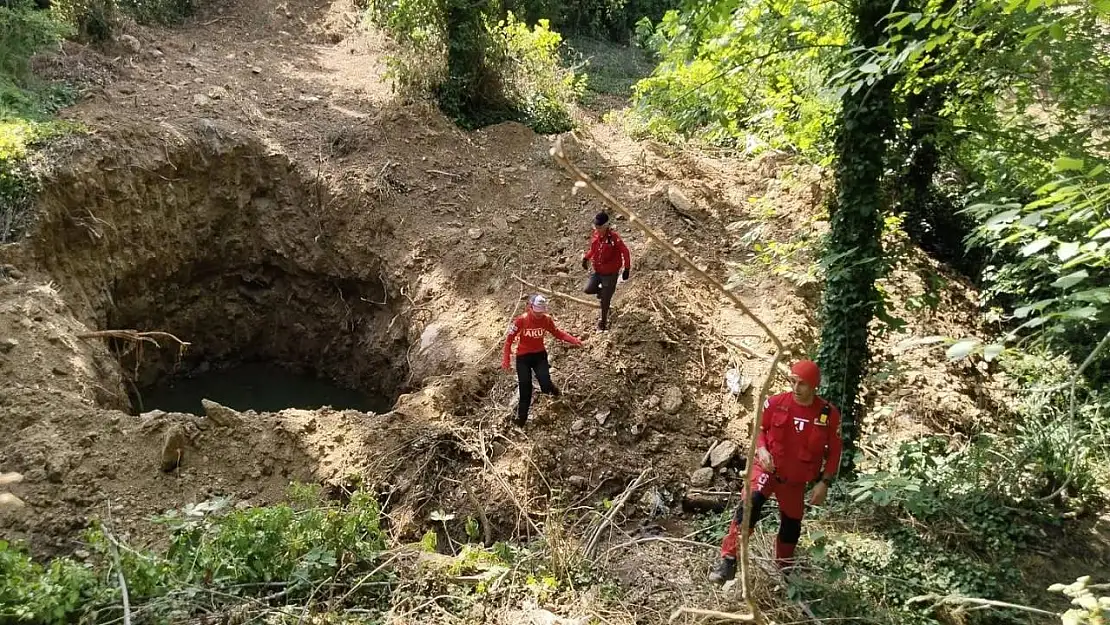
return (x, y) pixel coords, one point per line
(480, 70)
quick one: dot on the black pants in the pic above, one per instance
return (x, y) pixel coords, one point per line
(525, 366)
(603, 286)
(790, 529)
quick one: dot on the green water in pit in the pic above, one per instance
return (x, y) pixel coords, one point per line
(260, 387)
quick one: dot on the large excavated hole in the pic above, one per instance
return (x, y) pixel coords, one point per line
(262, 337)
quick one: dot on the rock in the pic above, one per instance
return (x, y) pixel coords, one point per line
(672, 400)
(578, 481)
(256, 70)
(702, 478)
(131, 43)
(602, 416)
(310, 426)
(221, 415)
(201, 100)
(155, 53)
(474, 233)
(173, 448)
(480, 260)
(7, 345)
(9, 502)
(723, 453)
(578, 426)
(59, 371)
(242, 505)
(218, 93)
(10, 478)
(652, 402)
(678, 199)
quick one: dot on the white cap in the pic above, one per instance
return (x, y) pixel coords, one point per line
(538, 303)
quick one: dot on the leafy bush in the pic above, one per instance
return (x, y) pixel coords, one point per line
(25, 106)
(537, 85)
(740, 82)
(481, 71)
(216, 559)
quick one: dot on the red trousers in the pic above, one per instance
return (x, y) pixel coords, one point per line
(791, 498)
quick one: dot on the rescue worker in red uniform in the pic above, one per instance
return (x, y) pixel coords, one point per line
(608, 253)
(531, 354)
(799, 443)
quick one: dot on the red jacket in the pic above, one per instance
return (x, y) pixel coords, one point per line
(531, 329)
(804, 441)
(608, 253)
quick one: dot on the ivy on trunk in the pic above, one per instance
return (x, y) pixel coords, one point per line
(854, 248)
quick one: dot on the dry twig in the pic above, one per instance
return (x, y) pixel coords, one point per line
(558, 294)
(584, 181)
(607, 520)
(724, 616)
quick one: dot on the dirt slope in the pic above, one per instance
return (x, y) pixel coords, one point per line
(251, 186)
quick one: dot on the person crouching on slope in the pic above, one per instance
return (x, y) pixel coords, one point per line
(608, 254)
(531, 355)
(799, 442)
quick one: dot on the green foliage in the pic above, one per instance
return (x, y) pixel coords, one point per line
(1090, 609)
(215, 558)
(537, 85)
(25, 107)
(480, 69)
(745, 73)
(30, 592)
(935, 521)
(611, 69)
(613, 20)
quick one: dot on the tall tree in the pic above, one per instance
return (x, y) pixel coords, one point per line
(853, 253)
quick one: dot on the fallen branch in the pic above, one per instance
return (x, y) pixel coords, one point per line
(584, 180)
(724, 616)
(963, 601)
(558, 294)
(134, 336)
(607, 520)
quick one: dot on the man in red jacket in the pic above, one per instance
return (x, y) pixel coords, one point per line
(608, 254)
(799, 442)
(531, 355)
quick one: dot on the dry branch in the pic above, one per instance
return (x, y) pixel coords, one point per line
(723, 616)
(134, 336)
(558, 294)
(745, 578)
(607, 520)
(584, 181)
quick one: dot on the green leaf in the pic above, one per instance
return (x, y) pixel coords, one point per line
(1036, 246)
(1057, 31)
(1103, 234)
(990, 352)
(962, 349)
(1065, 163)
(871, 68)
(1067, 250)
(1085, 312)
(1070, 280)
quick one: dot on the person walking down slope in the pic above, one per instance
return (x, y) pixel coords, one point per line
(608, 253)
(799, 442)
(531, 354)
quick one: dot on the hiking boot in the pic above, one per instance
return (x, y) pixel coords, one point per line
(724, 571)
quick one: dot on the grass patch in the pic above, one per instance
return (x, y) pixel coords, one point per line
(612, 69)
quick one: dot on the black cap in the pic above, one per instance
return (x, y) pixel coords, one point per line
(601, 219)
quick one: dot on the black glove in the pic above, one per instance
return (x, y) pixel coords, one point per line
(625, 274)
(585, 263)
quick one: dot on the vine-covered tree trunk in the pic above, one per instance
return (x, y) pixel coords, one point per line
(854, 246)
